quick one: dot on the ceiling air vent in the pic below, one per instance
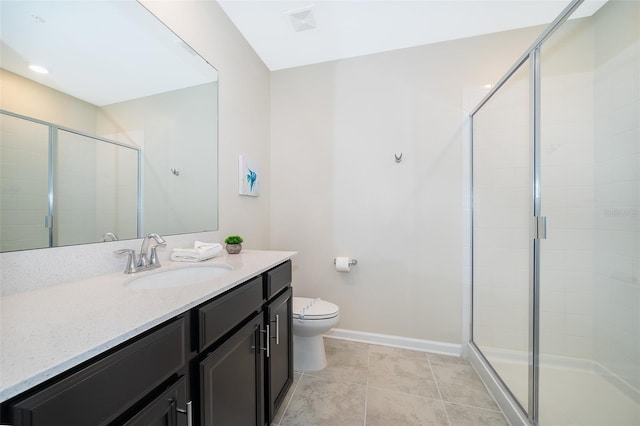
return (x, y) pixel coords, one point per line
(302, 19)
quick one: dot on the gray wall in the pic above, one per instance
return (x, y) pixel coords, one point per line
(337, 190)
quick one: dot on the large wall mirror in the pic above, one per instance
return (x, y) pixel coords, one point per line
(117, 138)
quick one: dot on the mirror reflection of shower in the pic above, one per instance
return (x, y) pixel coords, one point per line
(66, 187)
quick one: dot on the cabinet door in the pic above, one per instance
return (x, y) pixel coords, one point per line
(168, 409)
(280, 360)
(232, 379)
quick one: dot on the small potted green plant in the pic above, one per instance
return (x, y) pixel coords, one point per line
(233, 244)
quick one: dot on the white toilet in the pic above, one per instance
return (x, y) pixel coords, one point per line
(311, 318)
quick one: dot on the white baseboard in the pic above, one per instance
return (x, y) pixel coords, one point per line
(396, 341)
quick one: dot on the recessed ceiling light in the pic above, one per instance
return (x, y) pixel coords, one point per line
(38, 69)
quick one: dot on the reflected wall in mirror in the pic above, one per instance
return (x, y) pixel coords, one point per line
(116, 74)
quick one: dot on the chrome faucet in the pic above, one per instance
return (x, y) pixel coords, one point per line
(148, 257)
(150, 260)
(109, 236)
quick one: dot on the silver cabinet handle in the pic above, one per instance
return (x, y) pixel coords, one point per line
(268, 342)
(277, 337)
(266, 348)
(188, 412)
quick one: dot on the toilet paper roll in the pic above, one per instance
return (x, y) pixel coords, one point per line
(342, 264)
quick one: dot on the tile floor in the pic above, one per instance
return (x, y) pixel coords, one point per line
(376, 385)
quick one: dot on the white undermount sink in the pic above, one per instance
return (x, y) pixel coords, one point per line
(179, 277)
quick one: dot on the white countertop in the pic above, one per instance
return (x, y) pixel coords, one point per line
(47, 331)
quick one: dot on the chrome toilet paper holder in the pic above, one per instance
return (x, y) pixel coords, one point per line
(351, 262)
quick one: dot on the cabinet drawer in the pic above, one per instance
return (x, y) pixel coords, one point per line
(223, 314)
(104, 390)
(278, 278)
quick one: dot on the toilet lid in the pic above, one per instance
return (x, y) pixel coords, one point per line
(307, 308)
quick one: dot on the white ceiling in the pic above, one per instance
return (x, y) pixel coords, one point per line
(115, 50)
(348, 28)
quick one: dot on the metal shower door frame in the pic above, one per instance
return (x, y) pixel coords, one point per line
(538, 222)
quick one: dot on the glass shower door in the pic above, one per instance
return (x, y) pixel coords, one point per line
(96, 189)
(501, 234)
(590, 168)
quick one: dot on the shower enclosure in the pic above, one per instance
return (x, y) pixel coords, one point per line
(555, 314)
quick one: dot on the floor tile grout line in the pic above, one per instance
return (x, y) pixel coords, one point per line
(402, 392)
(475, 407)
(435, 379)
(332, 379)
(366, 389)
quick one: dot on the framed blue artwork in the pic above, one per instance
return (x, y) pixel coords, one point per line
(249, 177)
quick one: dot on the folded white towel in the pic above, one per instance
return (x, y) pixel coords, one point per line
(178, 257)
(200, 251)
(200, 247)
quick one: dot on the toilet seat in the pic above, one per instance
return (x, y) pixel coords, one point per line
(305, 308)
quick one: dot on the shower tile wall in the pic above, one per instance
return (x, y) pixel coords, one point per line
(75, 190)
(501, 225)
(567, 191)
(617, 192)
(23, 184)
(590, 280)
(118, 173)
(566, 307)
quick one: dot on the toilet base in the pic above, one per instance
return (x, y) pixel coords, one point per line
(308, 353)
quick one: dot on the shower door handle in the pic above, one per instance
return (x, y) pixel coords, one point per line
(539, 227)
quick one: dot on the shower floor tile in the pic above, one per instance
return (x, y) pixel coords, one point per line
(378, 385)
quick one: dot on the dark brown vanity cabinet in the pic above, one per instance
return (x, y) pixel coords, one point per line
(106, 390)
(244, 380)
(228, 361)
(231, 368)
